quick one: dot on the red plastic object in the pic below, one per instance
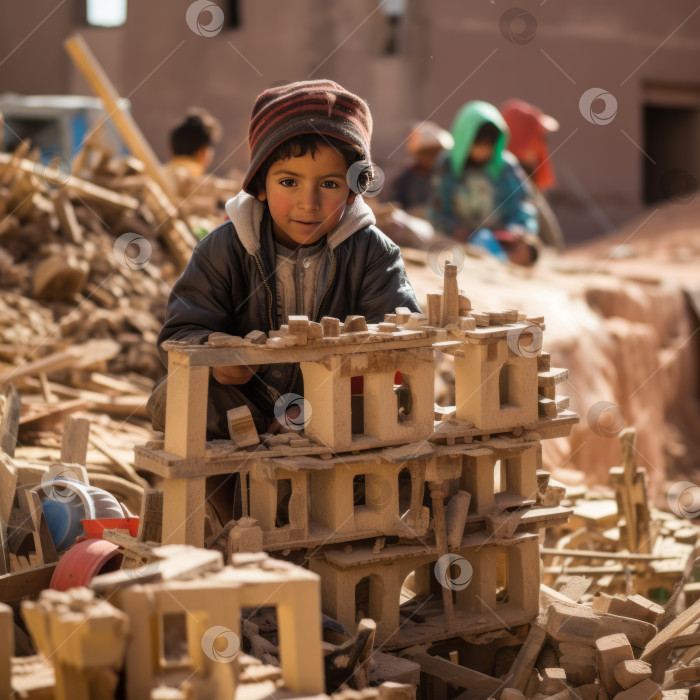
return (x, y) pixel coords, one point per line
(83, 561)
(95, 528)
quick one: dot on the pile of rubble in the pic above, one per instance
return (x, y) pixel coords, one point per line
(85, 272)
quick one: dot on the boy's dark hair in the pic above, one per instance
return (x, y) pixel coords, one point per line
(298, 146)
(487, 133)
(198, 129)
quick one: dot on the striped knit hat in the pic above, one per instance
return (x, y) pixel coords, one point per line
(306, 107)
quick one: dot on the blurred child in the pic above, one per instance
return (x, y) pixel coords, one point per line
(529, 127)
(412, 188)
(480, 193)
(192, 150)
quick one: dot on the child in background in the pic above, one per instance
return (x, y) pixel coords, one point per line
(412, 188)
(192, 144)
(529, 127)
(480, 193)
(300, 240)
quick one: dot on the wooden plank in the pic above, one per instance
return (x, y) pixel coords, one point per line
(85, 189)
(77, 356)
(74, 444)
(26, 583)
(7, 651)
(102, 86)
(9, 419)
(30, 503)
(457, 675)
(115, 405)
(593, 554)
(524, 663)
(151, 516)
(4, 549)
(186, 407)
(67, 218)
(203, 356)
(673, 629)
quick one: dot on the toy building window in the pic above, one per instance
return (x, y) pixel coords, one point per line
(506, 385)
(369, 592)
(502, 576)
(500, 477)
(403, 396)
(357, 406)
(359, 494)
(405, 490)
(418, 586)
(174, 651)
(284, 493)
(105, 13)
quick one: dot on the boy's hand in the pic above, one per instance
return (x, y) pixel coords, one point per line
(234, 374)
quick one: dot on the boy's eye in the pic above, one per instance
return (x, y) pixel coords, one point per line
(287, 182)
(330, 184)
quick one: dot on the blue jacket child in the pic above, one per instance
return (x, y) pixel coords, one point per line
(480, 192)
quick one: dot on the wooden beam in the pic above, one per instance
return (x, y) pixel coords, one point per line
(592, 554)
(457, 675)
(26, 583)
(102, 86)
(9, 419)
(30, 503)
(74, 443)
(88, 190)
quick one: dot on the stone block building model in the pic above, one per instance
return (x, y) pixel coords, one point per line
(424, 518)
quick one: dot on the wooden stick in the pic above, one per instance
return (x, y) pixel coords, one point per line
(437, 496)
(102, 86)
(592, 554)
(74, 444)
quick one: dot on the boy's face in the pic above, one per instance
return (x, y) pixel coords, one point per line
(306, 196)
(481, 152)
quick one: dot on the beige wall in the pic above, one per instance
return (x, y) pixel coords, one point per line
(451, 51)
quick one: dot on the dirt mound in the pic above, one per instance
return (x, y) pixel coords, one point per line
(617, 314)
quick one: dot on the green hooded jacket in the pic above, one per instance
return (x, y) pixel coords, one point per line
(467, 123)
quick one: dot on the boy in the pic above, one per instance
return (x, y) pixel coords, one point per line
(480, 192)
(425, 143)
(300, 240)
(192, 145)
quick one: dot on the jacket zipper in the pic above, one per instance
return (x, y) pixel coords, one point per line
(269, 291)
(328, 286)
